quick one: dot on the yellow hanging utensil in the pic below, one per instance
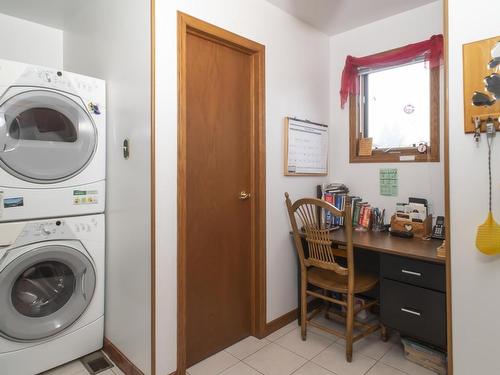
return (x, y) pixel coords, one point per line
(488, 233)
(488, 236)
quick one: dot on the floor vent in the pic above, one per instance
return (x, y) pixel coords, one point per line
(96, 363)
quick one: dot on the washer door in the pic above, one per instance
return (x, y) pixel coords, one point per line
(46, 136)
(44, 291)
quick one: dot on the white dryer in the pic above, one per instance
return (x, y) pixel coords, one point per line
(51, 292)
(52, 143)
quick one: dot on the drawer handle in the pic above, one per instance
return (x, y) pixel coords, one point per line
(412, 312)
(411, 273)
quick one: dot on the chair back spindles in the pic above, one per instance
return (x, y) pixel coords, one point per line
(311, 213)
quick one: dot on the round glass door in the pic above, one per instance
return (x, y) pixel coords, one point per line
(45, 136)
(44, 291)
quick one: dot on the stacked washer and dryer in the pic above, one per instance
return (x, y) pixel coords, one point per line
(52, 199)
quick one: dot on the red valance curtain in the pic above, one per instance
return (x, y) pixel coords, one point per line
(431, 49)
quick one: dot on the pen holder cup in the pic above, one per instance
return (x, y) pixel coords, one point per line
(378, 227)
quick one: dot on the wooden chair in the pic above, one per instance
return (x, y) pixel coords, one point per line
(320, 269)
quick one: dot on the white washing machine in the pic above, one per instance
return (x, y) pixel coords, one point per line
(52, 143)
(51, 292)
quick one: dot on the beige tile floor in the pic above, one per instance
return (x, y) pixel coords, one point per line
(284, 353)
(76, 368)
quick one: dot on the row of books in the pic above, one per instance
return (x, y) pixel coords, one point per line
(361, 213)
(336, 194)
(338, 200)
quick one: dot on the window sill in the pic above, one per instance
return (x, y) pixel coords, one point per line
(406, 155)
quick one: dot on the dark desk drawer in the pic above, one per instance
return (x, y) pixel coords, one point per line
(415, 272)
(417, 312)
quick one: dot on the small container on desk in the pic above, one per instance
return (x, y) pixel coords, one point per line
(419, 230)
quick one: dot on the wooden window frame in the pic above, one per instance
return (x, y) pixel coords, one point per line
(409, 154)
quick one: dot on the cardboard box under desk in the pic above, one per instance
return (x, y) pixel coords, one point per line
(419, 230)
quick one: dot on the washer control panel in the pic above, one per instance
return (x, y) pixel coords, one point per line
(46, 230)
(70, 228)
(87, 226)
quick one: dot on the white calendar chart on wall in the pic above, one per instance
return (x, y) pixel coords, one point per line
(306, 148)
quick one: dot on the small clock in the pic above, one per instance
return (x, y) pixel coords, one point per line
(422, 148)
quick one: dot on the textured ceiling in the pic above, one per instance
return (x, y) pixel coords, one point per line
(336, 16)
(54, 13)
(330, 16)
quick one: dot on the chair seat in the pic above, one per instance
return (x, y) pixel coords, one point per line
(334, 282)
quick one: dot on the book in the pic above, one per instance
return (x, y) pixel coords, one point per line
(362, 213)
(356, 211)
(328, 197)
(355, 206)
(338, 199)
(367, 217)
(342, 207)
(364, 217)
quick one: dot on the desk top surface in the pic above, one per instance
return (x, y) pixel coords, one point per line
(383, 242)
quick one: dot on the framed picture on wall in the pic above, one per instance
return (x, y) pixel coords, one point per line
(481, 65)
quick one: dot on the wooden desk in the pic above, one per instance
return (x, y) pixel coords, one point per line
(383, 242)
(412, 281)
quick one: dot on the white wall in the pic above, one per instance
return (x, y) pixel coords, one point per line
(475, 277)
(415, 179)
(113, 43)
(30, 42)
(296, 84)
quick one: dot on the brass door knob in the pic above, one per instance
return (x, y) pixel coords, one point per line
(244, 195)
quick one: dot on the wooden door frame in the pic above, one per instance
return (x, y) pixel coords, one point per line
(447, 209)
(152, 312)
(190, 25)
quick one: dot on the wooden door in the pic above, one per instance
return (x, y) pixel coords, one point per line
(218, 169)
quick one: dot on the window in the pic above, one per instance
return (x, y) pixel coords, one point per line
(398, 108)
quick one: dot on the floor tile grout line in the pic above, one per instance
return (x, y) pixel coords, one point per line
(268, 342)
(282, 347)
(317, 364)
(364, 355)
(236, 364)
(324, 368)
(322, 351)
(249, 365)
(288, 350)
(223, 350)
(372, 366)
(277, 338)
(394, 367)
(308, 359)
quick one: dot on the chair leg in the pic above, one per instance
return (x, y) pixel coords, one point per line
(303, 305)
(383, 333)
(349, 327)
(326, 304)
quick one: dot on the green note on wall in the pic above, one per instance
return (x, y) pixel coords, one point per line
(389, 182)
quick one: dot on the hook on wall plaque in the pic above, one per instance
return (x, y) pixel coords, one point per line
(126, 148)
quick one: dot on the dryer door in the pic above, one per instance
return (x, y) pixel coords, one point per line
(46, 136)
(44, 291)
